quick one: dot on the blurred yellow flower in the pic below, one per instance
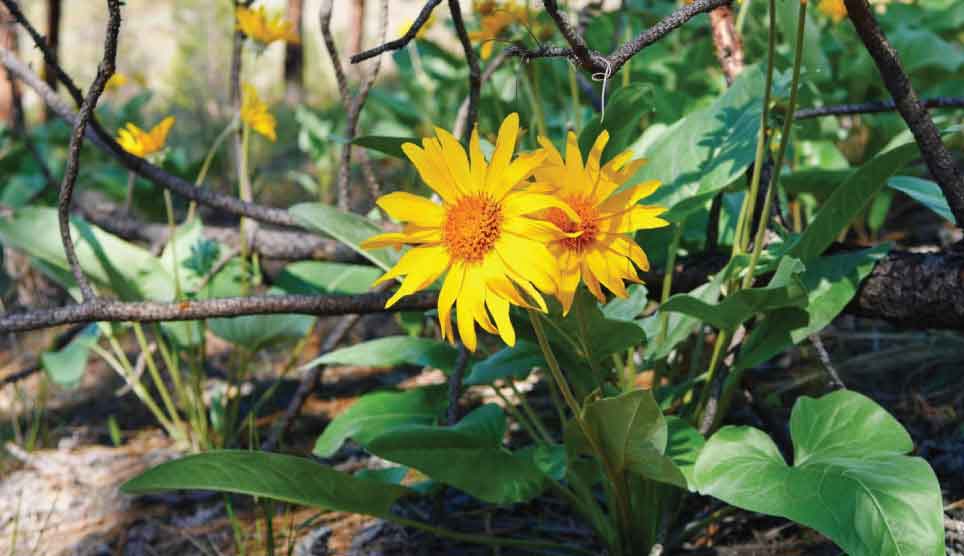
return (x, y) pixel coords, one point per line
(254, 113)
(482, 234)
(256, 24)
(116, 81)
(602, 253)
(423, 30)
(834, 9)
(495, 19)
(143, 143)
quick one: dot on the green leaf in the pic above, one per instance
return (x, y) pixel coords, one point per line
(831, 282)
(276, 476)
(684, 447)
(375, 413)
(108, 261)
(468, 456)
(784, 290)
(66, 367)
(322, 277)
(392, 146)
(391, 351)
(349, 229)
(630, 308)
(707, 150)
(850, 199)
(251, 332)
(631, 432)
(925, 192)
(816, 66)
(850, 480)
(921, 48)
(625, 109)
(516, 362)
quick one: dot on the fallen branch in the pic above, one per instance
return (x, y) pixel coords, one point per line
(873, 107)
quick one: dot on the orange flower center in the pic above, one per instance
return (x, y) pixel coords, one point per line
(588, 223)
(472, 227)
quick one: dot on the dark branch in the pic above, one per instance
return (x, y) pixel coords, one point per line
(873, 107)
(939, 161)
(104, 71)
(102, 310)
(139, 166)
(475, 75)
(595, 62)
(404, 39)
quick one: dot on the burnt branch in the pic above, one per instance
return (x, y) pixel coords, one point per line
(140, 166)
(104, 70)
(475, 75)
(400, 42)
(939, 161)
(595, 62)
(104, 310)
(873, 107)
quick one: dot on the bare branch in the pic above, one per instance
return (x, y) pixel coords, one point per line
(874, 107)
(475, 76)
(104, 71)
(140, 166)
(462, 117)
(595, 62)
(398, 43)
(939, 161)
(104, 310)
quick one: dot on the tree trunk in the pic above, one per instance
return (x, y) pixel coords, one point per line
(8, 39)
(295, 55)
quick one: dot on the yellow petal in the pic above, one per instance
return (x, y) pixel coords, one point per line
(446, 297)
(639, 217)
(569, 276)
(455, 159)
(573, 156)
(595, 156)
(412, 208)
(552, 153)
(428, 264)
(434, 176)
(520, 169)
(478, 167)
(522, 202)
(504, 147)
(499, 308)
(529, 259)
(464, 317)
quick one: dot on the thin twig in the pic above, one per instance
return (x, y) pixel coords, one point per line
(140, 166)
(463, 114)
(104, 71)
(475, 76)
(400, 42)
(873, 107)
(835, 382)
(939, 161)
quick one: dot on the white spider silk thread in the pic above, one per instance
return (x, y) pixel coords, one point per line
(604, 77)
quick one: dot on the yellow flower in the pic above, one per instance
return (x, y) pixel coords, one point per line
(255, 113)
(494, 21)
(602, 253)
(116, 81)
(256, 24)
(834, 9)
(482, 234)
(422, 31)
(143, 143)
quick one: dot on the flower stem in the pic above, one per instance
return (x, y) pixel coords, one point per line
(668, 280)
(784, 141)
(206, 165)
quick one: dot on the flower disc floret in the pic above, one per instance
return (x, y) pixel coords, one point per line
(472, 227)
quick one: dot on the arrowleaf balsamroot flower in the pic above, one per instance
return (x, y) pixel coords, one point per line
(144, 143)
(602, 253)
(495, 19)
(482, 234)
(254, 112)
(834, 9)
(257, 25)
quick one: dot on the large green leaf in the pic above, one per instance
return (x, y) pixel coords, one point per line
(625, 109)
(276, 476)
(831, 282)
(631, 432)
(314, 277)
(925, 192)
(921, 48)
(707, 150)
(378, 412)
(391, 351)
(784, 290)
(347, 228)
(66, 367)
(470, 456)
(110, 262)
(683, 447)
(849, 200)
(516, 362)
(850, 480)
(816, 67)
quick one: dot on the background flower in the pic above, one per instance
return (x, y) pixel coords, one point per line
(143, 143)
